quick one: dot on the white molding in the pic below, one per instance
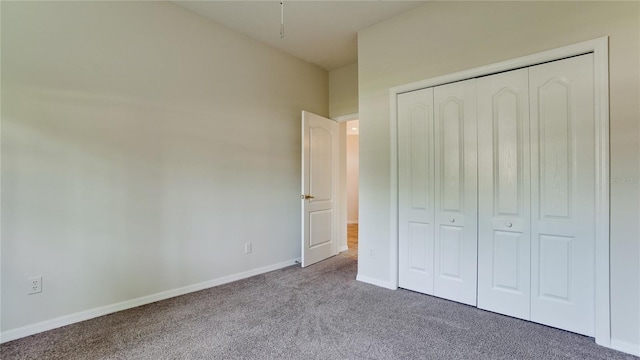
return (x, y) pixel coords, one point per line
(393, 183)
(525, 61)
(602, 256)
(385, 284)
(344, 118)
(341, 199)
(36, 328)
(626, 347)
(600, 49)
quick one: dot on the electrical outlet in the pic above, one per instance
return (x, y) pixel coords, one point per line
(372, 253)
(248, 248)
(35, 285)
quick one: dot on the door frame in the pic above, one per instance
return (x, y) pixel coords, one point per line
(600, 49)
(342, 178)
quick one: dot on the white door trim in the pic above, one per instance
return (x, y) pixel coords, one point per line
(342, 179)
(347, 117)
(600, 49)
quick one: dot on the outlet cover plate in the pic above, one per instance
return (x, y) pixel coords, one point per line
(35, 285)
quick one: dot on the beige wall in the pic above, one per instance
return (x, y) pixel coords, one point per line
(352, 178)
(142, 146)
(444, 37)
(343, 91)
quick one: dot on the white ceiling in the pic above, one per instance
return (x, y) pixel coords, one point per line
(320, 32)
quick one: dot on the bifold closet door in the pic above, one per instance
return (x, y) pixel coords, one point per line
(416, 183)
(536, 219)
(437, 161)
(526, 239)
(563, 194)
(504, 194)
(455, 165)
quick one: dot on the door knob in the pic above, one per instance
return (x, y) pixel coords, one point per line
(306, 197)
(509, 224)
(452, 220)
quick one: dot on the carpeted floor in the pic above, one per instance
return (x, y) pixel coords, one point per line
(319, 312)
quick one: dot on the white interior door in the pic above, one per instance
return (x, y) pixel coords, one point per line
(563, 194)
(416, 198)
(319, 188)
(504, 194)
(455, 223)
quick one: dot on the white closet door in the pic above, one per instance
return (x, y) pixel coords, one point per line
(563, 188)
(455, 141)
(504, 193)
(416, 184)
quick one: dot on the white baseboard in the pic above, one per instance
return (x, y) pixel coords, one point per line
(343, 248)
(376, 282)
(626, 347)
(28, 330)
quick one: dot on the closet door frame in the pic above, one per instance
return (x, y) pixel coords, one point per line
(600, 49)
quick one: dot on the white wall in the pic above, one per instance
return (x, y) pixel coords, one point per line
(142, 146)
(343, 91)
(352, 178)
(445, 37)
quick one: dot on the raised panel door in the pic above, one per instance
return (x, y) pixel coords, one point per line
(416, 185)
(455, 169)
(563, 194)
(319, 179)
(504, 194)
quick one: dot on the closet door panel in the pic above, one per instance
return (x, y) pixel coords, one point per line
(504, 194)
(416, 185)
(563, 194)
(455, 160)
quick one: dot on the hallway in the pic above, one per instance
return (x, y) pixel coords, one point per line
(352, 240)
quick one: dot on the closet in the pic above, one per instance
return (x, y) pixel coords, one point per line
(496, 192)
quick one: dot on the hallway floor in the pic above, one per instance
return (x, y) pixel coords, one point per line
(352, 240)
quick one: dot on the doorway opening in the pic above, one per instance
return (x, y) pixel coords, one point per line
(352, 162)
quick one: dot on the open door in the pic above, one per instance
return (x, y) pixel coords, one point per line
(319, 188)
